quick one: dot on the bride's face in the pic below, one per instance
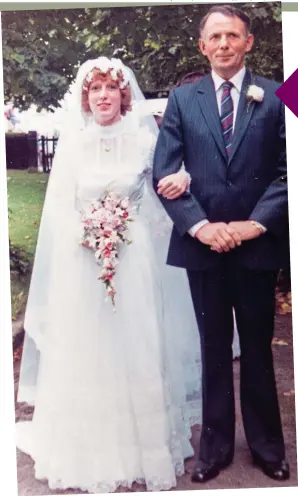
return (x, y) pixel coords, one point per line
(104, 100)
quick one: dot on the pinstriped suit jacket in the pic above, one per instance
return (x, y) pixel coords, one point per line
(250, 184)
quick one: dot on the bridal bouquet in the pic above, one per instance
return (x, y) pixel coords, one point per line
(104, 229)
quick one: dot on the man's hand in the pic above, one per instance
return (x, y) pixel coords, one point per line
(173, 186)
(246, 229)
(219, 235)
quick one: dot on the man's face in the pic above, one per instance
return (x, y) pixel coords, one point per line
(225, 42)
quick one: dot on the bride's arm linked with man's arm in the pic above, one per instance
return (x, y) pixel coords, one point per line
(186, 211)
(171, 186)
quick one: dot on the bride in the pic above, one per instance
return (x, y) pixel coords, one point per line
(111, 358)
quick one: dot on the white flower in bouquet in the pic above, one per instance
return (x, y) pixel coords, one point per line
(95, 204)
(125, 203)
(113, 196)
(110, 204)
(114, 237)
(92, 243)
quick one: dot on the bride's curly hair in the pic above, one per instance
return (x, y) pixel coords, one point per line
(97, 75)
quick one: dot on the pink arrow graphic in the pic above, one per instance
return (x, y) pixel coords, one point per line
(288, 92)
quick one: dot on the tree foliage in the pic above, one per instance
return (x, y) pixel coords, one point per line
(42, 49)
(39, 56)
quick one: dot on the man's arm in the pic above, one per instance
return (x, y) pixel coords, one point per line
(185, 211)
(271, 211)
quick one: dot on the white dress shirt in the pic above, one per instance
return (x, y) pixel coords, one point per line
(237, 81)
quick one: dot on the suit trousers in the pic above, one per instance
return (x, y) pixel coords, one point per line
(215, 291)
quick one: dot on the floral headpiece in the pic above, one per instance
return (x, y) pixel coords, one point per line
(113, 67)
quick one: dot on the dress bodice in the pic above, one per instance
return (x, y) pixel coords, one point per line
(113, 159)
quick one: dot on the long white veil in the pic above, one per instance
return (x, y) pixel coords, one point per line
(57, 236)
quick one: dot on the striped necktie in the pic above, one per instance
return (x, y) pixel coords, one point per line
(226, 115)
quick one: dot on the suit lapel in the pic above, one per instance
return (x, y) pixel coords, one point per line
(244, 114)
(208, 103)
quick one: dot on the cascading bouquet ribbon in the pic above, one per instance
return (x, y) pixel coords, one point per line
(105, 225)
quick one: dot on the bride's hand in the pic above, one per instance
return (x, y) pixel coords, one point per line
(174, 185)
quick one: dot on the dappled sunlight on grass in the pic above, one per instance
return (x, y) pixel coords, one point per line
(26, 192)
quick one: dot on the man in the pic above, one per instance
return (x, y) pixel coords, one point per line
(231, 234)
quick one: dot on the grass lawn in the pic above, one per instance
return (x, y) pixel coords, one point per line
(26, 192)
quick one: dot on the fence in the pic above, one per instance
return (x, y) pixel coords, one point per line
(46, 151)
(25, 151)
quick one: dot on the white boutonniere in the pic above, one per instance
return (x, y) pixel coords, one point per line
(254, 94)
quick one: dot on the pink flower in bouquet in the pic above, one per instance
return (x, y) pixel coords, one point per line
(100, 214)
(107, 253)
(111, 292)
(107, 263)
(108, 244)
(107, 276)
(116, 222)
(106, 217)
(107, 231)
(101, 243)
(124, 203)
(87, 222)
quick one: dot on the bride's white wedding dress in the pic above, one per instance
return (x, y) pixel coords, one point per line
(117, 393)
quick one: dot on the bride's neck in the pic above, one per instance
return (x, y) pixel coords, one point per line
(114, 120)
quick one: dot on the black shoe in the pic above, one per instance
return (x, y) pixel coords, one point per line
(206, 471)
(275, 470)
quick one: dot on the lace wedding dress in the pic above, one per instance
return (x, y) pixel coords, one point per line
(117, 392)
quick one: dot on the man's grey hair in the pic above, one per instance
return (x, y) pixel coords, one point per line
(228, 11)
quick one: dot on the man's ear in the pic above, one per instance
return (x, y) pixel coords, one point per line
(201, 45)
(249, 42)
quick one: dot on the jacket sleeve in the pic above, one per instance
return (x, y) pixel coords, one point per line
(272, 208)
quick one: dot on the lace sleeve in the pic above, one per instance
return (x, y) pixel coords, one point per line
(152, 210)
(150, 155)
